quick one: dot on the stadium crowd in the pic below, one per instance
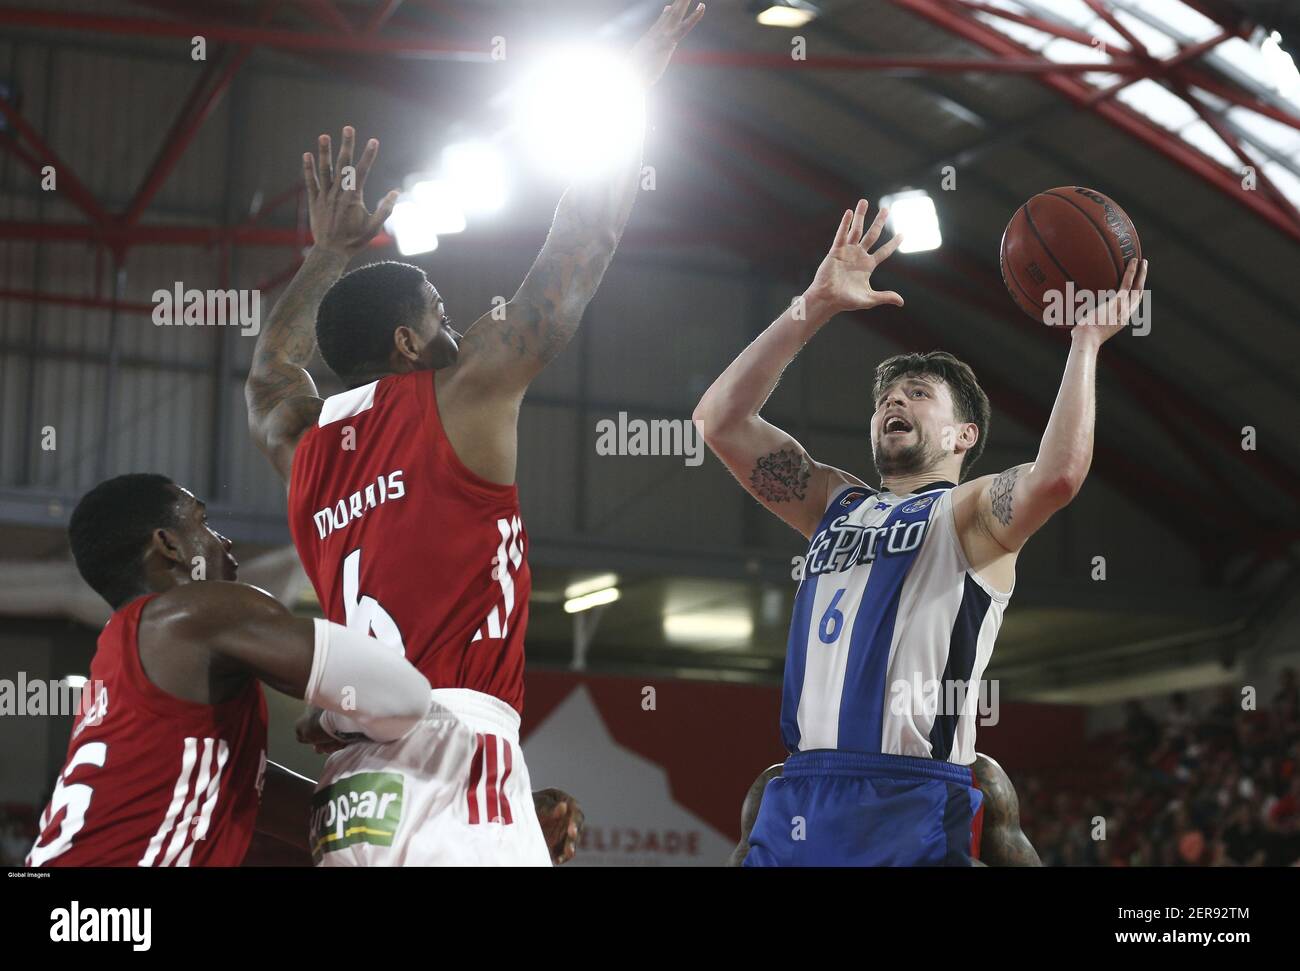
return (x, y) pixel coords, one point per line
(1218, 787)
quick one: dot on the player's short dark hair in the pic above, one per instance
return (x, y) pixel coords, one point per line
(110, 529)
(970, 403)
(357, 317)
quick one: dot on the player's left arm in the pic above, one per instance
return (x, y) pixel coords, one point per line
(996, 514)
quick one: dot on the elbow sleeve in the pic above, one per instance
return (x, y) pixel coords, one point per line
(364, 680)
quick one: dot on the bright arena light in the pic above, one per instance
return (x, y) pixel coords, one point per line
(912, 213)
(589, 600)
(1281, 66)
(579, 111)
(788, 13)
(439, 205)
(717, 628)
(477, 174)
(75, 680)
(583, 587)
(412, 231)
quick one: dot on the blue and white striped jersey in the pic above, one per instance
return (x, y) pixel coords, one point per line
(890, 625)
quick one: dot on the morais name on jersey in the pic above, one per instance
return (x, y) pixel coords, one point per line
(385, 488)
(843, 544)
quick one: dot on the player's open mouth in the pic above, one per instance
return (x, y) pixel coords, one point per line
(896, 425)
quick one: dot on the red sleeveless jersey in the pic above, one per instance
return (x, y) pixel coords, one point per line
(404, 543)
(151, 779)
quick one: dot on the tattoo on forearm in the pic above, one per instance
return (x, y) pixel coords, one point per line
(546, 312)
(781, 476)
(1000, 494)
(290, 333)
(287, 341)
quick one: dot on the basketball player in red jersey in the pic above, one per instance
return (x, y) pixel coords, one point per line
(167, 758)
(402, 501)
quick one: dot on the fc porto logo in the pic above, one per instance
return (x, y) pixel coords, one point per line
(919, 504)
(851, 497)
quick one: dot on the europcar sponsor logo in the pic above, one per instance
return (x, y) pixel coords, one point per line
(363, 808)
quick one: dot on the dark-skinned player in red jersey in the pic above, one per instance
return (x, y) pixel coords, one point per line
(167, 761)
(1001, 840)
(402, 497)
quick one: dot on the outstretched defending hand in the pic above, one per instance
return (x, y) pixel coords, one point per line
(338, 214)
(651, 54)
(844, 278)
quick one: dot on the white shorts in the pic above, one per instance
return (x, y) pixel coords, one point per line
(453, 791)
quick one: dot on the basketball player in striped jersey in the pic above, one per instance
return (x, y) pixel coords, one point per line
(167, 760)
(904, 585)
(402, 497)
(999, 840)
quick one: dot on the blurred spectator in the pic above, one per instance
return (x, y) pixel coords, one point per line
(1221, 720)
(1288, 693)
(17, 833)
(1178, 720)
(1141, 731)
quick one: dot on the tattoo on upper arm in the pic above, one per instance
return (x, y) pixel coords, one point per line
(565, 276)
(546, 312)
(781, 476)
(279, 367)
(1000, 495)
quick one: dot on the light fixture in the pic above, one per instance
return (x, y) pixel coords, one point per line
(1281, 66)
(439, 206)
(709, 628)
(912, 213)
(410, 229)
(580, 110)
(75, 680)
(583, 587)
(784, 13)
(596, 598)
(476, 173)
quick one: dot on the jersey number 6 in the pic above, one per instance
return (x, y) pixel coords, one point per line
(364, 614)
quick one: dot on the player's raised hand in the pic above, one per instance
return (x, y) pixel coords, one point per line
(844, 278)
(562, 820)
(1102, 322)
(651, 54)
(338, 214)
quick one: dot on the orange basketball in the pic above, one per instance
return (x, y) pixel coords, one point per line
(1066, 235)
